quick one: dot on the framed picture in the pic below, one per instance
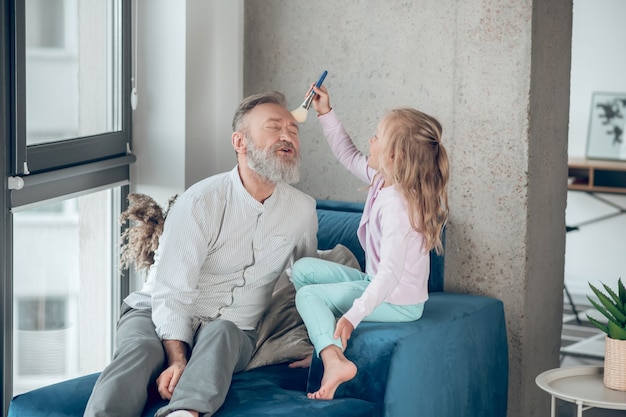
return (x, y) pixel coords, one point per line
(606, 127)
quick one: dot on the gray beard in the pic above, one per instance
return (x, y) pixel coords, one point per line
(270, 166)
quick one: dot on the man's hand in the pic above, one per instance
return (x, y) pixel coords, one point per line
(166, 382)
(343, 330)
(302, 363)
(176, 352)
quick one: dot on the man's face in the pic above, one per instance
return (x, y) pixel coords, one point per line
(272, 144)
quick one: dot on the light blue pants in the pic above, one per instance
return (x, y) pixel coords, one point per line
(326, 290)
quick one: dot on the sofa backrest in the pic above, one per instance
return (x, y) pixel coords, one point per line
(338, 223)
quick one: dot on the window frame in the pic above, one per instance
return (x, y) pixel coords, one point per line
(68, 167)
(33, 159)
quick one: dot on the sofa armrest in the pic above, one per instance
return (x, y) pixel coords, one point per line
(451, 362)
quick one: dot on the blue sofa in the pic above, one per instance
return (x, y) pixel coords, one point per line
(451, 362)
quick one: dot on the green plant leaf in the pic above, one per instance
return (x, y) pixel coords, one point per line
(599, 325)
(621, 290)
(616, 300)
(600, 309)
(609, 305)
(616, 332)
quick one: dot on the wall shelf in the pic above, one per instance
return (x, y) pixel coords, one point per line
(596, 175)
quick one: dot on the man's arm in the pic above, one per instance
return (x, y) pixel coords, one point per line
(183, 249)
(176, 353)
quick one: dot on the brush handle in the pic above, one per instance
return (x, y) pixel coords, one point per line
(309, 99)
(321, 80)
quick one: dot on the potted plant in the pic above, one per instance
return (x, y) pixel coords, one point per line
(612, 305)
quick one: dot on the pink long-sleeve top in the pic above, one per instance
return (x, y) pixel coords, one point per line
(394, 251)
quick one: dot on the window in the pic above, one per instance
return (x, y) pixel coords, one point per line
(69, 86)
(64, 281)
(65, 151)
(71, 54)
(41, 338)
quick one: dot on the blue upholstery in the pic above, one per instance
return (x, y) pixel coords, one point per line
(337, 224)
(338, 221)
(263, 392)
(451, 362)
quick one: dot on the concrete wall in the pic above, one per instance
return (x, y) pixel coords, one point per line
(189, 82)
(496, 74)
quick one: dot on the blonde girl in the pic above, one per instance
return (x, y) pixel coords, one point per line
(404, 214)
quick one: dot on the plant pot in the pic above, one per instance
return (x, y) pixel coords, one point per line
(615, 364)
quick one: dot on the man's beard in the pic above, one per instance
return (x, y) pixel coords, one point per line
(272, 166)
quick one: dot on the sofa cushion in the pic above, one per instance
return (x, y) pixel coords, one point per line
(263, 392)
(338, 225)
(459, 343)
(282, 336)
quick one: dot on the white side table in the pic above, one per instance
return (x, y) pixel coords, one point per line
(581, 385)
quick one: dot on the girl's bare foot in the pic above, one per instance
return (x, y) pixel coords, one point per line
(337, 370)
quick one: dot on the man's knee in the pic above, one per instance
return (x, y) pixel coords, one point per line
(218, 330)
(147, 348)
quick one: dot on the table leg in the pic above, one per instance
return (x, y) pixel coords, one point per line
(553, 406)
(580, 408)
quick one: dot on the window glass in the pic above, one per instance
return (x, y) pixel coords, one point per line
(65, 289)
(73, 66)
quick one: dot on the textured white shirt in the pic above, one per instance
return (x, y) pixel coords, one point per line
(221, 253)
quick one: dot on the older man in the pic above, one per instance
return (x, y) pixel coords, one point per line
(225, 242)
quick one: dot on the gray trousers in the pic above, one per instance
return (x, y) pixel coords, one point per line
(220, 349)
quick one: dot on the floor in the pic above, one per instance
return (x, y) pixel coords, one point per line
(594, 254)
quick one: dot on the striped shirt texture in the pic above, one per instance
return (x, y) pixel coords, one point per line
(221, 253)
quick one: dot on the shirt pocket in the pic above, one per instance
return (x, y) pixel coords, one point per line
(278, 252)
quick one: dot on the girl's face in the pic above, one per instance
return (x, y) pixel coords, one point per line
(375, 150)
(377, 145)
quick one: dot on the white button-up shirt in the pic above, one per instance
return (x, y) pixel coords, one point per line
(221, 253)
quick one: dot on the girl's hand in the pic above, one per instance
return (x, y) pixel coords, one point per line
(343, 330)
(321, 101)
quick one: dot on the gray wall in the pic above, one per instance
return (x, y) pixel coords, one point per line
(496, 74)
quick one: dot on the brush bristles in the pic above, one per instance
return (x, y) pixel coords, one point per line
(300, 114)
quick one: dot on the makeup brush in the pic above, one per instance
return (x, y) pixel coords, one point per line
(301, 112)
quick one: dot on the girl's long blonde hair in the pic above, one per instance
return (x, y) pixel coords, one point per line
(419, 169)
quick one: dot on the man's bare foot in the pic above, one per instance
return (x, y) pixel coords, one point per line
(337, 370)
(302, 363)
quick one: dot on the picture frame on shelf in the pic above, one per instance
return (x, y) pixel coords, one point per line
(607, 122)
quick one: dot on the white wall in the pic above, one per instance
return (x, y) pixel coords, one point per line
(598, 65)
(598, 61)
(189, 84)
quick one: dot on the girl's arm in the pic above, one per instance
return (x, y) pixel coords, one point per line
(344, 149)
(393, 245)
(340, 142)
